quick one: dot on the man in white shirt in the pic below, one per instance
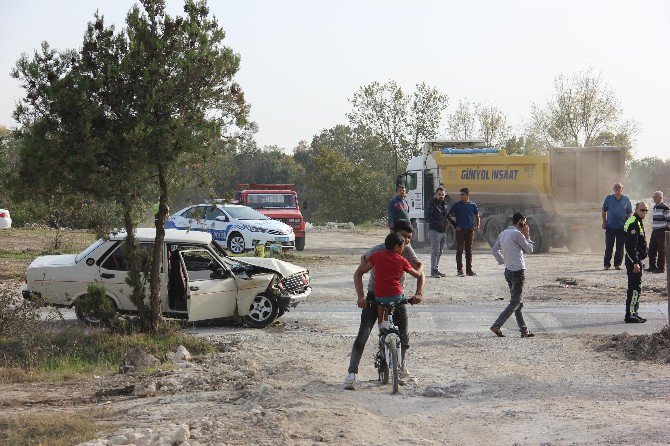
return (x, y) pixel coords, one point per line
(508, 250)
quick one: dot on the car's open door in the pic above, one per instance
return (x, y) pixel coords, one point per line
(211, 289)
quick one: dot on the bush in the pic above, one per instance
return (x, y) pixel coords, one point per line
(35, 347)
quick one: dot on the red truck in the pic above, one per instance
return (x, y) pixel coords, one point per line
(277, 201)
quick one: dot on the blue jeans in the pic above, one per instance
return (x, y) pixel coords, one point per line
(611, 235)
(515, 281)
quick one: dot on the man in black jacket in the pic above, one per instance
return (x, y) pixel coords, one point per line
(436, 212)
(636, 252)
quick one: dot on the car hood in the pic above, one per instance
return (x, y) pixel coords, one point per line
(282, 212)
(266, 224)
(286, 269)
(59, 260)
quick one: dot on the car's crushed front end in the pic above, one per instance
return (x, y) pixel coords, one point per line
(291, 283)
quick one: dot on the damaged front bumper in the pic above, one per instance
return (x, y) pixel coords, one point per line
(292, 300)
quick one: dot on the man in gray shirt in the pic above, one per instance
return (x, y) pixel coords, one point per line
(369, 307)
(508, 250)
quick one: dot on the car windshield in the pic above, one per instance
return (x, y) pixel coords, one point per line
(270, 201)
(82, 255)
(244, 213)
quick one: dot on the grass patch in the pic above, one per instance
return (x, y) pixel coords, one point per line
(26, 254)
(56, 355)
(54, 429)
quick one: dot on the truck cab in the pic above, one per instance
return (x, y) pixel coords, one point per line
(276, 201)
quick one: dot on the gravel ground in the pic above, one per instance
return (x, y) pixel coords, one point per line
(283, 385)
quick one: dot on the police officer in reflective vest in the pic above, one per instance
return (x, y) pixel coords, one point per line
(636, 252)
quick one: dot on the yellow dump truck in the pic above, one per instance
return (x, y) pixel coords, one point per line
(560, 193)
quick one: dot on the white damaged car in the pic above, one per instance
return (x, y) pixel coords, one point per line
(198, 280)
(238, 228)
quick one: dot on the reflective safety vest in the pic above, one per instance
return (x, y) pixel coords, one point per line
(632, 219)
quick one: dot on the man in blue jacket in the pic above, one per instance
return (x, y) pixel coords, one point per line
(467, 222)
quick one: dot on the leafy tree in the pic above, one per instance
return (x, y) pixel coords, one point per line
(399, 120)
(121, 117)
(582, 112)
(646, 175)
(492, 123)
(425, 115)
(462, 122)
(345, 191)
(522, 145)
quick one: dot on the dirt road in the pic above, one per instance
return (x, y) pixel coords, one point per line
(283, 385)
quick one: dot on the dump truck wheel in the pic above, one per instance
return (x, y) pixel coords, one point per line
(541, 239)
(300, 243)
(492, 230)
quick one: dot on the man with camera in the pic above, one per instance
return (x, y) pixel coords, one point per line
(508, 250)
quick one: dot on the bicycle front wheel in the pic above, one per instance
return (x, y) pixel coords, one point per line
(383, 368)
(393, 368)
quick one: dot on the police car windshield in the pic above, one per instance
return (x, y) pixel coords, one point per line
(244, 213)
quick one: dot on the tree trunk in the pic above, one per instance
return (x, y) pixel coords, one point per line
(160, 217)
(134, 267)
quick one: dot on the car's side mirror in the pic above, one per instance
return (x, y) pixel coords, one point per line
(221, 218)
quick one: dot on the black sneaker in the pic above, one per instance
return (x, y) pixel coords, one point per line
(460, 274)
(435, 274)
(634, 320)
(527, 334)
(471, 273)
(659, 271)
(442, 274)
(641, 319)
(651, 270)
(617, 266)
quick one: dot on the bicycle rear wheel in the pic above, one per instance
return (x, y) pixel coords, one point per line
(393, 368)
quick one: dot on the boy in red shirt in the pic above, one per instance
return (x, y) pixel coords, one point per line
(389, 266)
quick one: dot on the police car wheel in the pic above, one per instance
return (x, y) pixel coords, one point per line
(236, 243)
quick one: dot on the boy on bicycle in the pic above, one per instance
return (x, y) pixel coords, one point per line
(389, 266)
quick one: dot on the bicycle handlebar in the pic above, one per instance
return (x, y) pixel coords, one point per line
(402, 301)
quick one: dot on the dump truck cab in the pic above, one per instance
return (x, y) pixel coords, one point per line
(276, 201)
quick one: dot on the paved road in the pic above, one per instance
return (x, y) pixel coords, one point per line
(477, 317)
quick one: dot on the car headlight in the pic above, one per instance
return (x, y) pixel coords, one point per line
(255, 229)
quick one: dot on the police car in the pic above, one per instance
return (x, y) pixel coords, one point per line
(236, 227)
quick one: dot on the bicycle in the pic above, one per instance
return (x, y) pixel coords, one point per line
(387, 357)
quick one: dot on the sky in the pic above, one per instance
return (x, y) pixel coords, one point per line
(302, 60)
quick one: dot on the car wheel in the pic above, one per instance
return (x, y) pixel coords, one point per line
(236, 243)
(88, 317)
(300, 243)
(262, 312)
